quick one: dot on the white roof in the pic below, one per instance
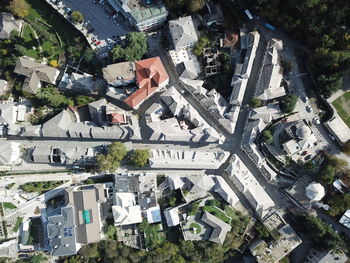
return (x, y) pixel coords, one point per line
(172, 216)
(315, 191)
(153, 215)
(126, 212)
(225, 191)
(339, 128)
(345, 219)
(249, 186)
(182, 31)
(9, 152)
(266, 113)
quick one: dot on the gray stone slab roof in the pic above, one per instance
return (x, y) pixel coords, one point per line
(61, 233)
(220, 228)
(8, 23)
(182, 31)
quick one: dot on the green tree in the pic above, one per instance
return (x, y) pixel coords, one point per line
(288, 103)
(195, 5)
(136, 46)
(52, 97)
(267, 136)
(117, 150)
(339, 204)
(106, 162)
(203, 42)
(327, 174)
(90, 251)
(89, 55)
(19, 8)
(172, 201)
(118, 53)
(255, 103)
(346, 148)
(77, 16)
(139, 157)
(83, 100)
(261, 230)
(337, 163)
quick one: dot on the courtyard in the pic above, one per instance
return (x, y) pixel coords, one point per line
(342, 105)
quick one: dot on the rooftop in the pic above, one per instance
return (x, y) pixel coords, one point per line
(122, 71)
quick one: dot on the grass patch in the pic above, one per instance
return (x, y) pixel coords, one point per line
(30, 42)
(217, 212)
(40, 187)
(153, 237)
(341, 110)
(8, 205)
(9, 186)
(18, 224)
(195, 228)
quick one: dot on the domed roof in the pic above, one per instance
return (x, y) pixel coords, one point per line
(315, 191)
(303, 132)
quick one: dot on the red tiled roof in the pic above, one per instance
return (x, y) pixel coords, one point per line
(116, 118)
(230, 39)
(150, 74)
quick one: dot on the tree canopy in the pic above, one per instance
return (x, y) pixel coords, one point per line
(288, 103)
(111, 160)
(135, 48)
(321, 27)
(255, 103)
(77, 16)
(19, 8)
(139, 157)
(267, 136)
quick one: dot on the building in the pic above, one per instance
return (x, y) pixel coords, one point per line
(270, 80)
(3, 87)
(326, 256)
(82, 84)
(303, 138)
(35, 73)
(249, 45)
(187, 159)
(339, 128)
(345, 219)
(143, 15)
(9, 153)
(220, 228)
(173, 118)
(266, 113)
(230, 39)
(198, 187)
(77, 223)
(150, 76)
(65, 155)
(134, 200)
(252, 130)
(183, 33)
(172, 216)
(120, 74)
(246, 183)
(315, 191)
(286, 241)
(8, 23)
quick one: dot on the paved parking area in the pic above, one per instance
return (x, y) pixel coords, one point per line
(104, 26)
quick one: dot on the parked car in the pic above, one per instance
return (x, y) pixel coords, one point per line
(317, 121)
(308, 157)
(306, 99)
(331, 136)
(309, 108)
(304, 153)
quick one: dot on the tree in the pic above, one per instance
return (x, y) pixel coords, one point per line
(327, 174)
(136, 46)
(195, 5)
(19, 8)
(54, 63)
(203, 42)
(346, 148)
(83, 100)
(288, 103)
(89, 55)
(261, 230)
(337, 163)
(267, 136)
(118, 53)
(321, 232)
(339, 204)
(139, 157)
(106, 162)
(77, 16)
(255, 103)
(52, 97)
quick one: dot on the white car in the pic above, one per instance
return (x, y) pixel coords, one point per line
(309, 108)
(306, 99)
(317, 121)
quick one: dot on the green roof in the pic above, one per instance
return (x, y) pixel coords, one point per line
(147, 13)
(86, 216)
